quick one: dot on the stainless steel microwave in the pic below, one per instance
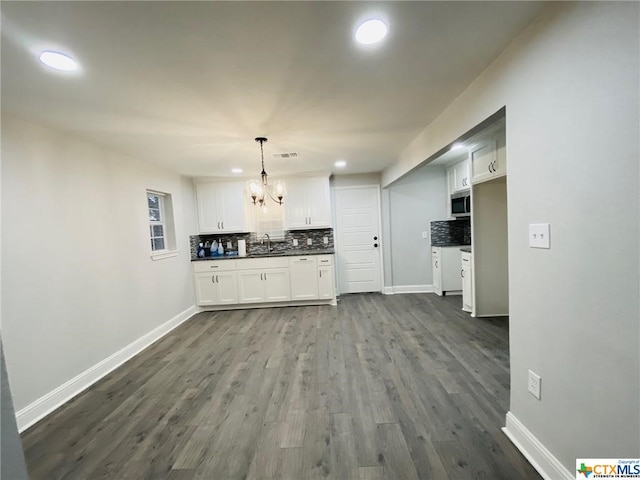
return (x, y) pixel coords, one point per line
(461, 205)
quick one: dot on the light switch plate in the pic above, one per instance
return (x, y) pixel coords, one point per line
(539, 235)
(425, 235)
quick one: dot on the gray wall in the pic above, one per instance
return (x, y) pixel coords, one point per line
(354, 180)
(413, 202)
(570, 87)
(78, 281)
(12, 464)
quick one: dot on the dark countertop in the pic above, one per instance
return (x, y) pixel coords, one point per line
(451, 245)
(286, 253)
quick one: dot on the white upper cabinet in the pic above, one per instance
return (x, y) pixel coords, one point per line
(485, 162)
(461, 177)
(307, 204)
(221, 207)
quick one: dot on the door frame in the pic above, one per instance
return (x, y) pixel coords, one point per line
(334, 218)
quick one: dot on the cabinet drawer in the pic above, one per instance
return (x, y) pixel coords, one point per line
(213, 266)
(262, 263)
(325, 260)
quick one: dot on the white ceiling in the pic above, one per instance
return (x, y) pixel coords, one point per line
(190, 84)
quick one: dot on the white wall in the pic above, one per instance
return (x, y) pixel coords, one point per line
(570, 87)
(413, 202)
(78, 281)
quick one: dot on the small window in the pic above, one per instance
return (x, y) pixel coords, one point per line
(157, 225)
(161, 230)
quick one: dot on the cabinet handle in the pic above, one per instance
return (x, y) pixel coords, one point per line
(217, 281)
(302, 259)
(260, 277)
(320, 273)
(436, 263)
(213, 279)
(462, 273)
(213, 266)
(265, 277)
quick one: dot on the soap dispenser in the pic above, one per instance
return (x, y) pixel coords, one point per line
(220, 247)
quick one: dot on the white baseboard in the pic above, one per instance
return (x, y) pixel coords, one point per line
(46, 404)
(542, 459)
(407, 289)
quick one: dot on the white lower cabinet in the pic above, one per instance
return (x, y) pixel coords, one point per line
(304, 277)
(216, 288)
(466, 273)
(446, 269)
(216, 282)
(264, 280)
(312, 277)
(266, 285)
(326, 276)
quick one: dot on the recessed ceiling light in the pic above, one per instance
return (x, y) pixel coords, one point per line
(340, 163)
(58, 61)
(371, 31)
(236, 170)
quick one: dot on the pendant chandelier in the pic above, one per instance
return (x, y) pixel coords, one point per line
(260, 190)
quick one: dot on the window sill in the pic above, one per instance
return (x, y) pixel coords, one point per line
(164, 254)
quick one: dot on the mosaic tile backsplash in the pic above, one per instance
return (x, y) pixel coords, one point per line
(445, 233)
(256, 247)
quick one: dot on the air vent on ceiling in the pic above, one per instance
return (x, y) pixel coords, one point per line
(286, 155)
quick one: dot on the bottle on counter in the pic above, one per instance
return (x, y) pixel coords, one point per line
(220, 247)
(200, 250)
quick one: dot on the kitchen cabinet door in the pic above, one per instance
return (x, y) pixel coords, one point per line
(307, 204)
(216, 288)
(304, 278)
(277, 285)
(227, 289)
(446, 270)
(462, 179)
(485, 163)
(250, 286)
(264, 285)
(326, 289)
(467, 283)
(205, 288)
(221, 207)
(437, 273)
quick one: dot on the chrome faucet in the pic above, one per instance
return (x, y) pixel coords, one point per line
(269, 249)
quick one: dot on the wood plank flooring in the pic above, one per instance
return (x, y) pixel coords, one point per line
(379, 387)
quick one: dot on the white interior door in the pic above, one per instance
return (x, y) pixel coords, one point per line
(358, 247)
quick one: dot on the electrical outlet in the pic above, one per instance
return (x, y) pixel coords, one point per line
(295, 242)
(325, 240)
(229, 245)
(309, 241)
(535, 383)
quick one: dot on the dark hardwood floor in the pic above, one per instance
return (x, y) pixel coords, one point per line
(380, 387)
